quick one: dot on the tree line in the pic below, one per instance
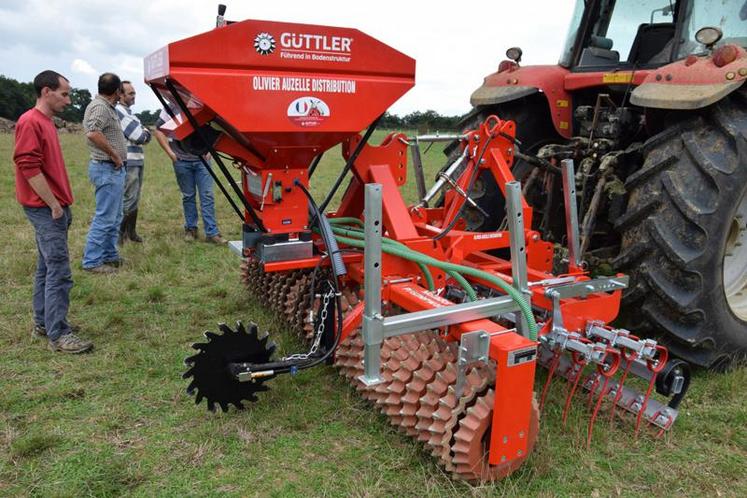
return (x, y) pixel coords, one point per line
(18, 97)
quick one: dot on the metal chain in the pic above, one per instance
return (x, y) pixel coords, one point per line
(319, 330)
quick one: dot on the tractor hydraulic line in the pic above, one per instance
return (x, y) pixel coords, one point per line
(349, 163)
(393, 243)
(314, 164)
(359, 234)
(219, 162)
(338, 266)
(291, 364)
(537, 161)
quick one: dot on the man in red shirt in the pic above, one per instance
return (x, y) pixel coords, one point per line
(43, 189)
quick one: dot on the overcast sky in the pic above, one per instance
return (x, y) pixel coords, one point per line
(455, 44)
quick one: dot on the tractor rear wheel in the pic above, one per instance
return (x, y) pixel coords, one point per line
(684, 236)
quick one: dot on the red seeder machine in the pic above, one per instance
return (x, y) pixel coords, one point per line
(440, 328)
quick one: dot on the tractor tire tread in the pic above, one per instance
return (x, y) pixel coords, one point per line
(674, 229)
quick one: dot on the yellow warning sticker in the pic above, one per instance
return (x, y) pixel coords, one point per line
(622, 77)
(563, 125)
(561, 103)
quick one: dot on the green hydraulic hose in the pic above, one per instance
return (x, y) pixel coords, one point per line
(412, 255)
(386, 242)
(345, 221)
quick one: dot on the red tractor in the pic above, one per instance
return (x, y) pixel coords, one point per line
(647, 99)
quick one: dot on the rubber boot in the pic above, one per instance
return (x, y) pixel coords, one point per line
(131, 233)
(123, 232)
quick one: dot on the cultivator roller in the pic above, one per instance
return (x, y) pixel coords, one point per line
(439, 328)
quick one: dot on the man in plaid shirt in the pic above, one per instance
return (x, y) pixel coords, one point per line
(137, 135)
(108, 149)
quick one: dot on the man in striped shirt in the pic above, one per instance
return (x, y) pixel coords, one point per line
(137, 135)
(108, 149)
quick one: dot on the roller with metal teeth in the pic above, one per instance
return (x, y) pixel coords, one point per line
(468, 449)
(295, 311)
(418, 390)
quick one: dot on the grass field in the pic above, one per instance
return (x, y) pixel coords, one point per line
(117, 421)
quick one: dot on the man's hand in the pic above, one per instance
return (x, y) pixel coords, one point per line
(116, 159)
(164, 143)
(100, 141)
(57, 212)
(41, 187)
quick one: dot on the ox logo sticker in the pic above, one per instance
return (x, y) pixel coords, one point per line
(264, 44)
(308, 112)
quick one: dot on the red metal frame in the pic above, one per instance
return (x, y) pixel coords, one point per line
(415, 228)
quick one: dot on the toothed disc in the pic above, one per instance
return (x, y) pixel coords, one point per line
(208, 369)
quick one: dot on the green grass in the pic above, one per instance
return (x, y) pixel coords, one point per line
(117, 421)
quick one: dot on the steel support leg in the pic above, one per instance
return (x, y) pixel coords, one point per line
(571, 213)
(518, 248)
(373, 321)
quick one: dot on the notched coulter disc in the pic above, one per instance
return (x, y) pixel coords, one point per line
(208, 369)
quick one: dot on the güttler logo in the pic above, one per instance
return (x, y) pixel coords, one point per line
(264, 43)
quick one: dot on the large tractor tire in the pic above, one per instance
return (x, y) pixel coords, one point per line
(684, 236)
(534, 129)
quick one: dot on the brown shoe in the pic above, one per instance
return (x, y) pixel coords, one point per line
(70, 343)
(104, 269)
(216, 239)
(190, 234)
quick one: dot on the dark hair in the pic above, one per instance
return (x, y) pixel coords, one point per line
(109, 84)
(47, 79)
(124, 82)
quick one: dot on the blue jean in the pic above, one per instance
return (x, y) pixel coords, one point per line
(132, 188)
(101, 244)
(193, 176)
(53, 279)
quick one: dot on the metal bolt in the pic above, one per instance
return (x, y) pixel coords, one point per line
(521, 435)
(743, 71)
(505, 439)
(730, 75)
(519, 453)
(503, 458)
